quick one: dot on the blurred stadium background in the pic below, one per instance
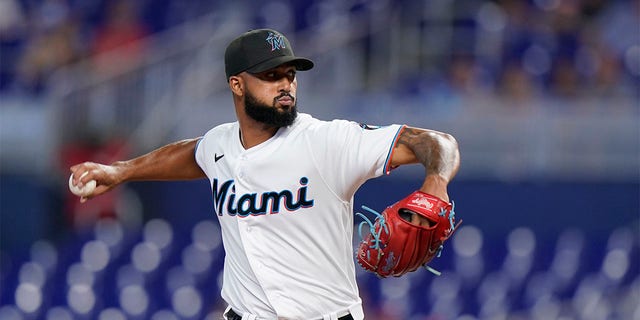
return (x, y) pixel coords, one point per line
(541, 94)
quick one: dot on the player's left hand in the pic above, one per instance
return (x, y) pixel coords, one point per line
(407, 235)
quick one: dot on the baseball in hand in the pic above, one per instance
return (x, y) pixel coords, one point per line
(86, 190)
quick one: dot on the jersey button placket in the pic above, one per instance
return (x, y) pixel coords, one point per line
(248, 231)
(250, 236)
(241, 168)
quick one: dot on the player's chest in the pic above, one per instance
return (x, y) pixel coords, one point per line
(247, 185)
(273, 168)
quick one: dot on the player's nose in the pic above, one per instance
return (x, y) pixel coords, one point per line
(286, 84)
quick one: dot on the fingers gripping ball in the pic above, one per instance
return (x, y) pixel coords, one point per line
(86, 190)
(397, 244)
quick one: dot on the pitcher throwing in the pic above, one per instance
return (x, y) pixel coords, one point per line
(283, 185)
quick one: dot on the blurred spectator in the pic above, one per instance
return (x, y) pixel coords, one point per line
(609, 75)
(122, 29)
(564, 81)
(46, 51)
(464, 75)
(516, 85)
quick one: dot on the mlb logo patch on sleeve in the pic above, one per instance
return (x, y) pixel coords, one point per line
(368, 127)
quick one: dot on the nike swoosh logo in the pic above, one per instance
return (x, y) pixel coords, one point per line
(217, 157)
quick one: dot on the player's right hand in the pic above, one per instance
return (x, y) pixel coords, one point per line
(106, 177)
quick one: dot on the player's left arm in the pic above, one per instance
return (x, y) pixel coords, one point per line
(437, 151)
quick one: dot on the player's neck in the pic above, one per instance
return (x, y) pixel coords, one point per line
(254, 133)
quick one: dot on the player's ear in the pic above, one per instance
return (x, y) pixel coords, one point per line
(236, 85)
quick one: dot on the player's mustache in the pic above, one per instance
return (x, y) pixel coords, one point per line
(285, 94)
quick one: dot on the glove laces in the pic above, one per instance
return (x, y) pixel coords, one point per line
(452, 214)
(375, 242)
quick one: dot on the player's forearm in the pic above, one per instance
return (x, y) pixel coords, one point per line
(437, 151)
(439, 154)
(175, 161)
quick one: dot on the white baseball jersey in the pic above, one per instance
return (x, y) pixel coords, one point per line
(286, 213)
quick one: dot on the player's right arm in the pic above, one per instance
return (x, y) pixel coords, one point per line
(175, 161)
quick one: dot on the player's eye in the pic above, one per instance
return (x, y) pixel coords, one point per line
(276, 75)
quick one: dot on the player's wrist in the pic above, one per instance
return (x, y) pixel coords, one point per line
(122, 171)
(436, 185)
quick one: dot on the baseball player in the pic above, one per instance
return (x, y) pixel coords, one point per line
(283, 184)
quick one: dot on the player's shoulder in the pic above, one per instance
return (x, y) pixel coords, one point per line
(222, 132)
(309, 122)
(222, 129)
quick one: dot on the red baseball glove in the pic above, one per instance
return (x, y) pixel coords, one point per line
(397, 243)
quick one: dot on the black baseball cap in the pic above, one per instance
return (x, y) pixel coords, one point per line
(260, 50)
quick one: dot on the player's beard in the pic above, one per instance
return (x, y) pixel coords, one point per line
(270, 114)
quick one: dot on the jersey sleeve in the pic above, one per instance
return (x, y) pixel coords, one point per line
(204, 150)
(200, 153)
(350, 153)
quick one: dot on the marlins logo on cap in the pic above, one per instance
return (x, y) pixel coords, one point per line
(260, 50)
(276, 41)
